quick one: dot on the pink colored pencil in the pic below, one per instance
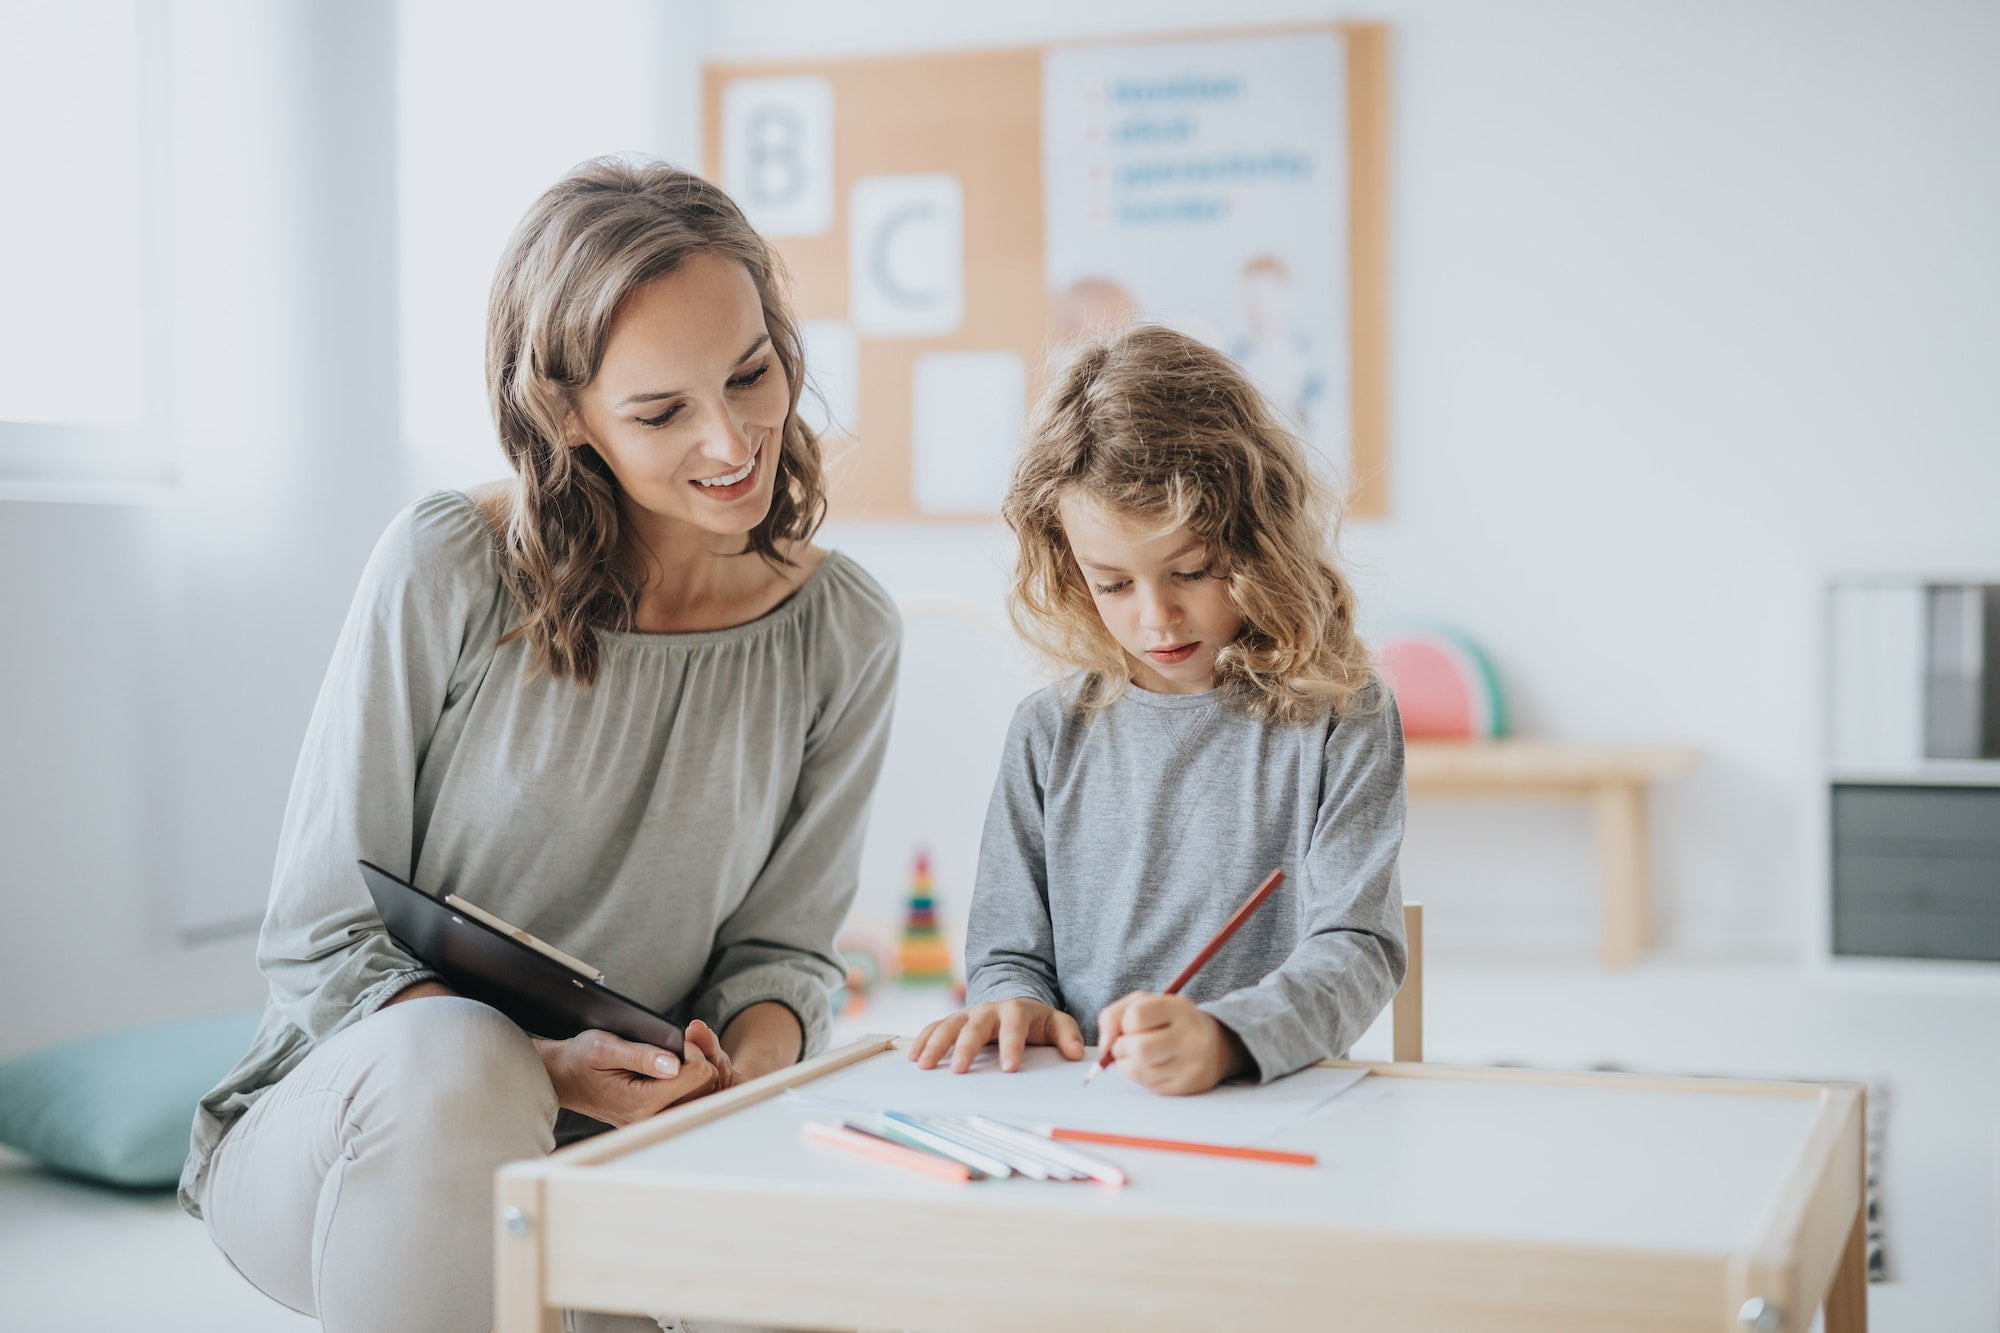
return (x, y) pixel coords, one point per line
(839, 1136)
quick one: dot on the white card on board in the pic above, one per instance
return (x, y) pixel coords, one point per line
(777, 153)
(831, 400)
(906, 256)
(967, 410)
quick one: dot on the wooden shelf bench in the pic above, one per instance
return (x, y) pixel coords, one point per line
(1615, 781)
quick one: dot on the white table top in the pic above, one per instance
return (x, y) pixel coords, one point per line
(1608, 1164)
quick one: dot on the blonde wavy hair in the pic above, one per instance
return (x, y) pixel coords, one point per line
(1155, 425)
(611, 225)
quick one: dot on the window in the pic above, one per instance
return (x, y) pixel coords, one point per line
(80, 393)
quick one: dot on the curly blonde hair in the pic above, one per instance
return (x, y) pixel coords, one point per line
(611, 225)
(1158, 426)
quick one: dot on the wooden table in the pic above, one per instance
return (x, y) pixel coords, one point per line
(1613, 779)
(1444, 1199)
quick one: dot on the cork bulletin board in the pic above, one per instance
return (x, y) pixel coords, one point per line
(949, 218)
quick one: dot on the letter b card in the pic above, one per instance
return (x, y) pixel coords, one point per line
(777, 153)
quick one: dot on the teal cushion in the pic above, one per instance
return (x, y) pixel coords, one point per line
(117, 1107)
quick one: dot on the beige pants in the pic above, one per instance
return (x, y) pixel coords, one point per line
(359, 1190)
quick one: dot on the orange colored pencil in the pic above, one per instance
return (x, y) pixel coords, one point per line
(839, 1136)
(1229, 927)
(1183, 1145)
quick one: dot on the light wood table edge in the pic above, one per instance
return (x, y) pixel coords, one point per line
(1845, 1299)
(519, 1253)
(1592, 1077)
(1681, 1288)
(1806, 1255)
(520, 1226)
(618, 1142)
(605, 1257)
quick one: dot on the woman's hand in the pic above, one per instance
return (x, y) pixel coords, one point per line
(623, 1082)
(1167, 1043)
(1017, 1023)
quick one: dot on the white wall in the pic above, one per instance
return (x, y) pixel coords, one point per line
(160, 661)
(474, 152)
(162, 657)
(1693, 302)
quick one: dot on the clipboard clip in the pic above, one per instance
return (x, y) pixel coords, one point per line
(512, 931)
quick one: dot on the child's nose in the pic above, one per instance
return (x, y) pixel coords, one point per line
(1158, 611)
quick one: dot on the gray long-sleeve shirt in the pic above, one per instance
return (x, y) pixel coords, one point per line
(1119, 842)
(691, 824)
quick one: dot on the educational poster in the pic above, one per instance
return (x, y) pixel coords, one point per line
(1203, 184)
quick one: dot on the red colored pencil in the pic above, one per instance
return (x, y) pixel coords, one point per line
(1182, 1145)
(1229, 927)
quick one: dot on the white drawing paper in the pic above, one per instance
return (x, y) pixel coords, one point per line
(1049, 1090)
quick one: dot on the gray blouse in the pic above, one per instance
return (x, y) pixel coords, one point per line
(691, 824)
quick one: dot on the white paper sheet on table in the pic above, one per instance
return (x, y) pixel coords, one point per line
(1049, 1090)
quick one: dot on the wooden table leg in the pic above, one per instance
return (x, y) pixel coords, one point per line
(517, 1259)
(1847, 1299)
(1625, 923)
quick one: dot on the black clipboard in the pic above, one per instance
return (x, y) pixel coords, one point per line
(545, 996)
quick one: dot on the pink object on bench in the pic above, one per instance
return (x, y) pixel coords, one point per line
(1444, 687)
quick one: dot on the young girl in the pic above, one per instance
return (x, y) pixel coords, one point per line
(1222, 720)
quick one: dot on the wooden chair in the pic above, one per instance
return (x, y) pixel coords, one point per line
(1406, 1011)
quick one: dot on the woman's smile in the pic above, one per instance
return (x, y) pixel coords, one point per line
(731, 485)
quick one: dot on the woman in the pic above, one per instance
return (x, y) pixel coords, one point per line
(623, 702)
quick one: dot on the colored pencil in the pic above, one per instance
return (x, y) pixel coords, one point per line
(1180, 1145)
(1027, 1158)
(871, 1128)
(1082, 1163)
(1229, 927)
(908, 1129)
(882, 1150)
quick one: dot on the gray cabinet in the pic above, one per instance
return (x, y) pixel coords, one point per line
(1916, 871)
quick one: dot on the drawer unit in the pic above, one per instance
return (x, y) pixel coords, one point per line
(1963, 817)
(1869, 934)
(1916, 871)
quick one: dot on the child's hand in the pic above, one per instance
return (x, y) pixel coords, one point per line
(1166, 1043)
(1019, 1023)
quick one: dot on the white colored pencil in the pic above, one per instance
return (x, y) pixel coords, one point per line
(1095, 1168)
